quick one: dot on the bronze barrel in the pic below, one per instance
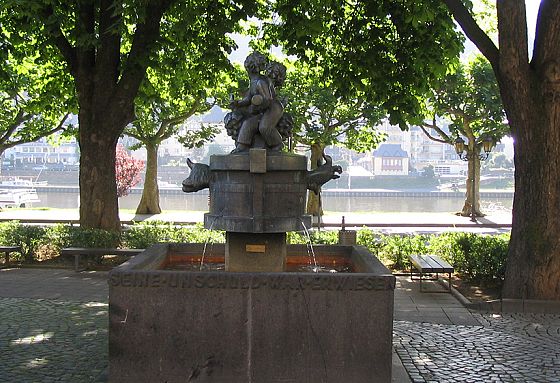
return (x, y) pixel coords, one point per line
(258, 192)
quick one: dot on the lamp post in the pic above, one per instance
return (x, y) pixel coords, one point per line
(467, 154)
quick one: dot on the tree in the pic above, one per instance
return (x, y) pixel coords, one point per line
(470, 99)
(150, 135)
(387, 52)
(179, 88)
(107, 46)
(322, 118)
(127, 171)
(391, 52)
(530, 90)
(498, 161)
(213, 149)
(429, 171)
(36, 97)
(364, 51)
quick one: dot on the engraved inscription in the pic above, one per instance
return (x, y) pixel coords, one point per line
(229, 281)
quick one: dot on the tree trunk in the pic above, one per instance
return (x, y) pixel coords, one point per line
(531, 96)
(1, 158)
(472, 195)
(532, 103)
(314, 206)
(533, 265)
(98, 189)
(102, 119)
(149, 203)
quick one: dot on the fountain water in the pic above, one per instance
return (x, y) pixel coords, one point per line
(310, 250)
(255, 321)
(205, 246)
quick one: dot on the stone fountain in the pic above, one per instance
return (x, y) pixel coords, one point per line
(174, 317)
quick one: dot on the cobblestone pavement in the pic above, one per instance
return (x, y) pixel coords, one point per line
(53, 328)
(45, 340)
(61, 284)
(505, 348)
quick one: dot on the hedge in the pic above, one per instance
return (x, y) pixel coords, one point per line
(475, 256)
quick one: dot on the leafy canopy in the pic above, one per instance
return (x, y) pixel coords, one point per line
(36, 95)
(186, 25)
(325, 118)
(470, 98)
(391, 51)
(175, 90)
(103, 49)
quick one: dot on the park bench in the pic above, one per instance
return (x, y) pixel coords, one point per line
(78, 252)
(7, 250)
(429, 264)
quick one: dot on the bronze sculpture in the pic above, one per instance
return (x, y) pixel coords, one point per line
(258, 119)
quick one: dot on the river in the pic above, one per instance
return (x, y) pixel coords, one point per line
(199, 202)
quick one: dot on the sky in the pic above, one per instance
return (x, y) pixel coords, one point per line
(532, 11)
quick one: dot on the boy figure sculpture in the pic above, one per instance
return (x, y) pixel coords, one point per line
(254, 119)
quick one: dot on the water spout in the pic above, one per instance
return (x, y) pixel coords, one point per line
(310, 249)
(208, 240)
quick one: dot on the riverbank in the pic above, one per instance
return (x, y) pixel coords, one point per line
(420, 192)
(386, 222)
(430, 203)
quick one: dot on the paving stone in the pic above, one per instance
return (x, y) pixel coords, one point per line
(65, 339)
(506, 348)
(37, 345)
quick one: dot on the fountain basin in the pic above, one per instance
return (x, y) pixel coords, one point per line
(171, 325)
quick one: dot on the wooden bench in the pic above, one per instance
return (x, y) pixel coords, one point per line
(430, 264)
(78, 252)
(7, 250)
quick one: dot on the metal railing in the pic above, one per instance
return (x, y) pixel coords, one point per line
(333, 225)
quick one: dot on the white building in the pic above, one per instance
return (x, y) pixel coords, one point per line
(41, 152)
(421, 151)
(390, 160)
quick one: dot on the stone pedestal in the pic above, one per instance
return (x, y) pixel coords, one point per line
(255, 252)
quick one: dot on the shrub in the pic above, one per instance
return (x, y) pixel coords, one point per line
(198, 234)
(7, 230)
(127, 171)
(60, 236)
(370, 239)
(296, 238)
(477, 257)
(474, 256)
(144, 234)
(28, 237)
(448, 247)
(316, 237)
(397, 248)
